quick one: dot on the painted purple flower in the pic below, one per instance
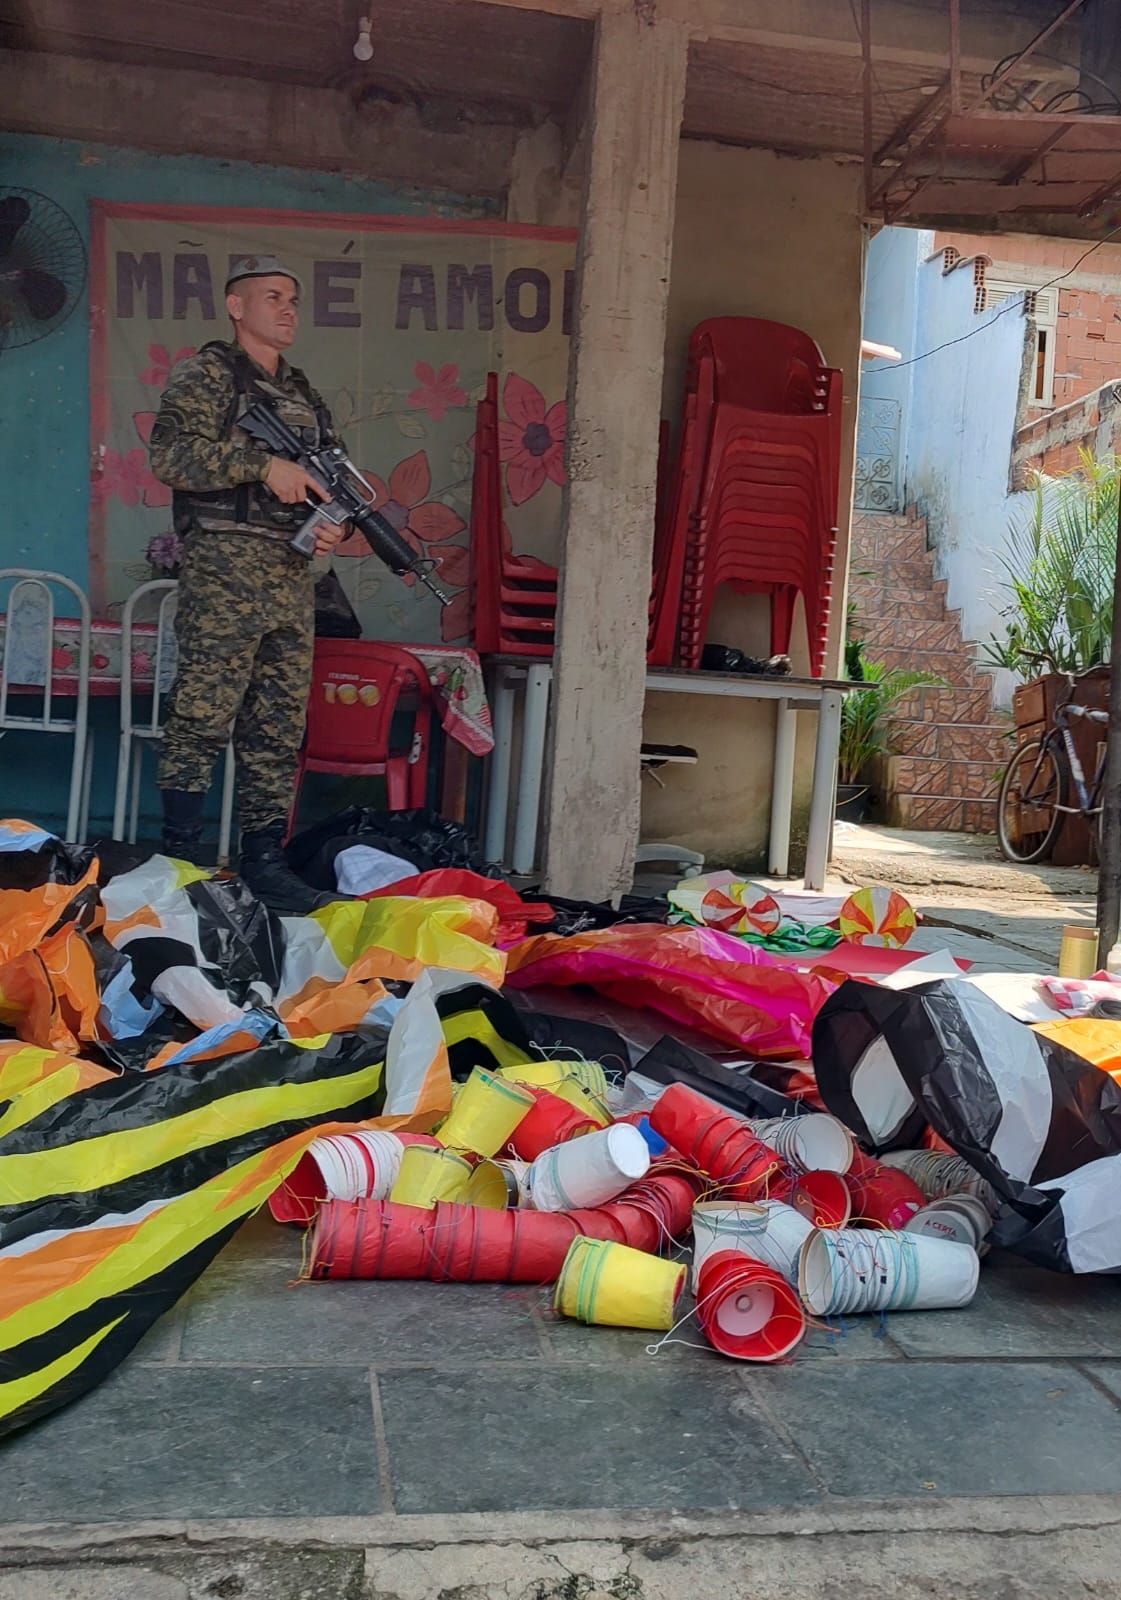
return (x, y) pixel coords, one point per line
(165, 552)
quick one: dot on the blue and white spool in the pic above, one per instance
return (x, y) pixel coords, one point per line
(588, 1171)
(844, 1271)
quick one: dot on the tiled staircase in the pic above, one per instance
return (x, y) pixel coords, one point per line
(951, 743)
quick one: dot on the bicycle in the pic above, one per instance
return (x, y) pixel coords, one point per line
(1030, 812)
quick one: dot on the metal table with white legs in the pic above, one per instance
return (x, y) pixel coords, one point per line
(790, 695)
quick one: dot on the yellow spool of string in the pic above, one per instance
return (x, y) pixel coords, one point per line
(492, 1185)
(549, 1074)
(617, 1287)
(583, 1099)
(428, 1174)
(485, 1113)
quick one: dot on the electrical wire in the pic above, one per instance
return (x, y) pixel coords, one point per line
(860, 40)
(1012, 304)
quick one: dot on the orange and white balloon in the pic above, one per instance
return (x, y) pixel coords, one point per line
(880, 917)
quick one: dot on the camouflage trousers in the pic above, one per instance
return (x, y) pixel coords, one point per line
(246, 627)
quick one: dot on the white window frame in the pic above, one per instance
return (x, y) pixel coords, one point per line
(1042, 307)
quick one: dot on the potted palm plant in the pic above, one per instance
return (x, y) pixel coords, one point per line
(1058, 571)
(866, 725)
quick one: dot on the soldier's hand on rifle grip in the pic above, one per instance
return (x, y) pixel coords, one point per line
(328, 535)
(288, 481)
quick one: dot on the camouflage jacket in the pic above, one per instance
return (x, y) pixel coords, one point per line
(216, 470)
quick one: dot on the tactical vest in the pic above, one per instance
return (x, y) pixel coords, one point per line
(251, 507)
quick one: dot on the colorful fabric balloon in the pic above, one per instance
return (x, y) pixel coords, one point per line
(733, 905)
(878, 917)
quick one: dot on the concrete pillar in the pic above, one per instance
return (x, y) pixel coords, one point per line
(614, 402)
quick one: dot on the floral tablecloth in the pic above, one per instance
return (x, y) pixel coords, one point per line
(455, 673)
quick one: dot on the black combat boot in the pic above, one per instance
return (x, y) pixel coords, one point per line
(182, 826)
(265, 870)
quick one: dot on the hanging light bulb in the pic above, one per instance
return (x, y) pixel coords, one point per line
(363, 45)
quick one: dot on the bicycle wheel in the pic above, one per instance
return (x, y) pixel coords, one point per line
(1033, 788)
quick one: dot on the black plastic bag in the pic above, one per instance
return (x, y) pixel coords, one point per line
(334, 614)
(1040, 1123)
(424, 839)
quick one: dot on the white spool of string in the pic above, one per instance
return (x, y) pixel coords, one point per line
(814, 1142)
(588, 1171)
(848, 1270)
(357, 1166)
(770, 1232)
(960, 1217)
(938, 1174)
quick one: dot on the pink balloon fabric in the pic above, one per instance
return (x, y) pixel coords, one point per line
(735, 992)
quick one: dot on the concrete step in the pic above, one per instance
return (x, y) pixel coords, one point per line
(973, 705)
(906, 605)
(900, 543)
(954, 667)
(952, 741)
(910, 573)
(937, 814)
(936, 778)
(911, 633)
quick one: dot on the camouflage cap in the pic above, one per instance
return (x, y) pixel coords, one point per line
(259, 267)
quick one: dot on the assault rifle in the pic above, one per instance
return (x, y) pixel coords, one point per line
(333, 468)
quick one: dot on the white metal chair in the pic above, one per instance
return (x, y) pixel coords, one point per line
(149, 729)
(28, 662)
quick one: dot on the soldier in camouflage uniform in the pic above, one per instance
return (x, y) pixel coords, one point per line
(245, 621)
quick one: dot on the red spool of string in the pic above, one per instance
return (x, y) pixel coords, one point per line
(880, 1194)
(721, 1144)
(823, 1197)
(454, 1243)
(551, 1121)
(746, 1309)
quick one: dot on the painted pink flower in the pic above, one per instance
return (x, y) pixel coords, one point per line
(124, 476)
(155, 492)
(531, 443)
(62, 658)
(141, 663)
(453, 565)
(162, 362)
(404, 503)
(436, 391)
(455, 620)
(100, 662)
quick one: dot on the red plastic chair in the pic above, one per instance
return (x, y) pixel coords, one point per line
(761, 506)
(514, 597)
(357, 686)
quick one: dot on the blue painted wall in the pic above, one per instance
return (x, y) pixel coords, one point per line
(959, 404)
(44, 387)
(890, 311)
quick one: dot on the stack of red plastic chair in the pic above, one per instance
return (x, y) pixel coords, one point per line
(756, 483)
(514, 598)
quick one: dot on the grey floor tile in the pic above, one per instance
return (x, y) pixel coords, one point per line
(262, 1239)
(568, 1340)
(590, 1436)
(1107, 1373)
(1019, 1312)
(951, 1428)
(161, 1342)
(176, 1442)
(848, 1339)
(253, 1312)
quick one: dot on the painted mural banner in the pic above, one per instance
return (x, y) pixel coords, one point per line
(401, 320)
